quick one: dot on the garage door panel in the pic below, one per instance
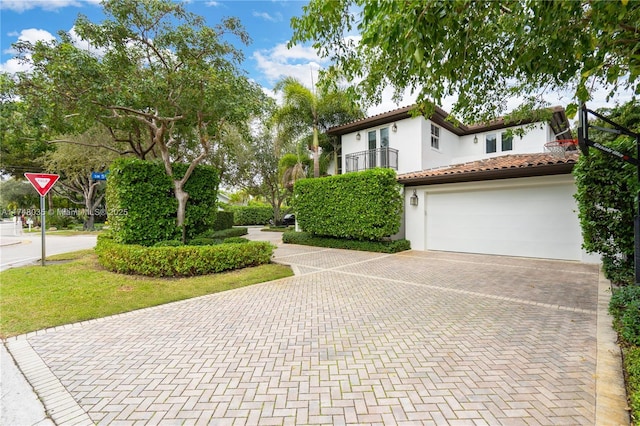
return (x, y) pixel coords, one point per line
(529, 221)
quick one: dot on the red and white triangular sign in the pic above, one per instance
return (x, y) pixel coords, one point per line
(42, 182)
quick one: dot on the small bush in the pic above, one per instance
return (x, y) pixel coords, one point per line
(168, 243)
(632, 367)
(624, 306)
(621, 298)
(180, 261)
(225, 233)
(304, 238)
(205, 242)
(235, 240)
(630, 323)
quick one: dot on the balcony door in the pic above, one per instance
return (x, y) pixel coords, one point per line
(384, 144)
(373, 145)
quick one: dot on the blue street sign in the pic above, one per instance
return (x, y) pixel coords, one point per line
(99, 175)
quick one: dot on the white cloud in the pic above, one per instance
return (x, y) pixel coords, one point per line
(32, 35)
(22, 5)
(267, 17)
(14, 65)
(299, 62)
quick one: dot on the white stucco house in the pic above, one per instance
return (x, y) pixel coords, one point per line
(474, 189)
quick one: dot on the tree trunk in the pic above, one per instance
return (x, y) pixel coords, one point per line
(182, 198)
(316, 159)
(89, 223)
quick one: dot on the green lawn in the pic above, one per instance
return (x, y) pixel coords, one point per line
(73, 287)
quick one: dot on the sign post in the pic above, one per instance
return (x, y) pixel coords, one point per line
(42, 182)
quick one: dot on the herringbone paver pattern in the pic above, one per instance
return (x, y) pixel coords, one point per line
(417, 338)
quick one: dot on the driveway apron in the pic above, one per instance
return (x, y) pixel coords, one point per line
(355, 337)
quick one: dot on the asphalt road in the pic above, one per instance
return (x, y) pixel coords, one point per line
(24, 249)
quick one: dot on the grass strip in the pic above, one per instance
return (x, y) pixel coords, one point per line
(35, 297)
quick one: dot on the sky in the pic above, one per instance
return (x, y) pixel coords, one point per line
(267, 58)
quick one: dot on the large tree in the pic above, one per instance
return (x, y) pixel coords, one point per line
(261, 175)
(75, 164)
(483, 52)
(154, 74)
(22, 134)
(305, 113)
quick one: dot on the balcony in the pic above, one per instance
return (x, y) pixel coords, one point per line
(382, 157)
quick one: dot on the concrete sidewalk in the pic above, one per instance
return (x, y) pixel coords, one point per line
(354, 337)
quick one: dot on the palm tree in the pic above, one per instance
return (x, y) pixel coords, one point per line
(305, 113)
(294, 166)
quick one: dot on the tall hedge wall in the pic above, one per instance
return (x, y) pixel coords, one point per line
(141, 206)
(363, 206)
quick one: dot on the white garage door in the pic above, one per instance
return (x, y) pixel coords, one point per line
(538, 221)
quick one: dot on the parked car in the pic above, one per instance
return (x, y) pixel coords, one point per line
(289, 219)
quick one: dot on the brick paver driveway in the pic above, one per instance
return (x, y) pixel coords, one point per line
(354, 337)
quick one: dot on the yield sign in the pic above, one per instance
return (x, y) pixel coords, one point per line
(42, 182)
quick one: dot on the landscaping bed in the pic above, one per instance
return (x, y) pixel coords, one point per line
(304, 238)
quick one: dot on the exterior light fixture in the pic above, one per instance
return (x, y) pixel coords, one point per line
(394, 127)
(475, 139)
(414, 199)
(358, 136)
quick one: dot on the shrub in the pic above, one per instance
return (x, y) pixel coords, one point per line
(142, 208)
(204, 241)
(235, 240)
(606, 187)
(168, 243)
(621, 298)
(224, 220)
(363, 206)
(630, 323)
(251, 215)
(624, 306)
(225, 233)
(632, 367)
(180, 261)
(305, 238)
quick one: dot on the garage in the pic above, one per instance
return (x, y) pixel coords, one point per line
(514, 206)
(532, 221)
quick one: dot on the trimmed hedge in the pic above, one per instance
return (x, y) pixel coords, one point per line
(362, 206)
(181, 261)
(225, 233)
(307, 239)
(224, 220)
(142, 208)
(251, 215)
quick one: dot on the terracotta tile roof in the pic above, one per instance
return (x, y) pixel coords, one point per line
(506, 166)
(558, 122)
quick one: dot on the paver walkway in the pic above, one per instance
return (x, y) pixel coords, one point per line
(354, 337)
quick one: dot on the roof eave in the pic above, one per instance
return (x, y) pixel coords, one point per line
(439, 116)
(494, 174)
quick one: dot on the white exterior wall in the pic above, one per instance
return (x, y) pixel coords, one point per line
(413, 142)
(466, 220)
(447, 150)
(407, 141)
(532, 142)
